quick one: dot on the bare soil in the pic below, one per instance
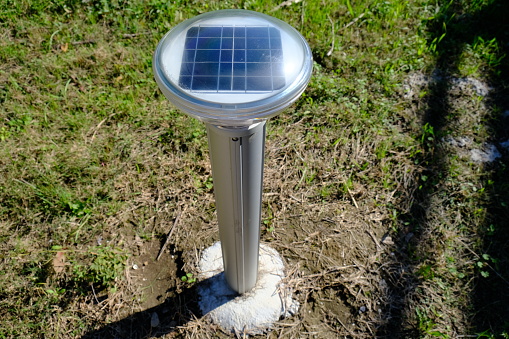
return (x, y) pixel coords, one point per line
(348, 268)
(338, 255)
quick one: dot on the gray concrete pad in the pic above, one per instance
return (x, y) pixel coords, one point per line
(255, 311)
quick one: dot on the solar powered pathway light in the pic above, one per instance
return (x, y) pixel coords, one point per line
(234, 69)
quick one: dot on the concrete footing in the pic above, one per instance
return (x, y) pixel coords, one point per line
(255, 311)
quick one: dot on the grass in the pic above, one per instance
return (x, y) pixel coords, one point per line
(388, 226)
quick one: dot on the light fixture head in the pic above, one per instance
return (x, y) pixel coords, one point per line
(232, 67)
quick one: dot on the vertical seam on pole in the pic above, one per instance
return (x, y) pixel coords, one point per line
(242, 221)
(238, 210)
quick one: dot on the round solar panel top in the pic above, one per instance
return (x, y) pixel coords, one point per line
(232, 67)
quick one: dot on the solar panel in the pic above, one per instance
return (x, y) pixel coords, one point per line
(232, 59)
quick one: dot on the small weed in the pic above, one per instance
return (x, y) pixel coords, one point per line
(484, 263)
(489, 51)
(106, 266)
(78, 208)
(426, 324)
(188, 278)
(56, 291)
(209, 183)
(5, 133)
(490, 335)
(426, 272)
(268, 219)
(428, 136)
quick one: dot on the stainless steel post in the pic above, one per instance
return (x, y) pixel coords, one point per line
(237, 168)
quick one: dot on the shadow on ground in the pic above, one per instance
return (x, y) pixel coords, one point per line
(162, 319)
(457, 25)
(154, 322)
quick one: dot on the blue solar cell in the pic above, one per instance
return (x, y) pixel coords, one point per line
(257, 32)
(205, 83)
(206, 31)
(225, 69)
(239, 84)
(227, 32)
(239, 43)
(260, 55)
(191, 43)
(225, 84)
(227, 58)
(189, 55)
(239, 69)
(207, 55)
(258, 69)
(185, 81)
(239, 31)
(275, 43)
(274, 32)
(192, 32)
(276, 55)
(186, 69)
(257, 43)
(258, 83)
(239, 55)
(209, 43)
(226, 55)
(205, 68)
(226, 43)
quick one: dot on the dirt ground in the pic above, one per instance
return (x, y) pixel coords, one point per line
(333, 259)
(385, 187)
(345, 264)
(337, 250)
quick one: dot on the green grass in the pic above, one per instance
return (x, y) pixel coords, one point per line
(93, 161)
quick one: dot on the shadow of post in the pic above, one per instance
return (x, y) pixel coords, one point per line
(455, 26)
(173, 312)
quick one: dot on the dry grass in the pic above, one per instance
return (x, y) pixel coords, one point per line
(387, 226)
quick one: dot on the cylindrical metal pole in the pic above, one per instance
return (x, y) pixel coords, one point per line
(236, 155)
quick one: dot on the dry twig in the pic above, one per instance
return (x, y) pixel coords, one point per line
(351, 22)
(83, 42)
(285, 3)
(353, 199)
(169, 235)
(333, 37)
(134, 35)
(99, 126)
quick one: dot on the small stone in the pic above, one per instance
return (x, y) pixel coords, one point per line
(362, 309)
(488, 153)
(135, 267)
(145, 263)
(464, 141)
(388, 240)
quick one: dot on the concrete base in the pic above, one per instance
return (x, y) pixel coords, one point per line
(255, 311)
